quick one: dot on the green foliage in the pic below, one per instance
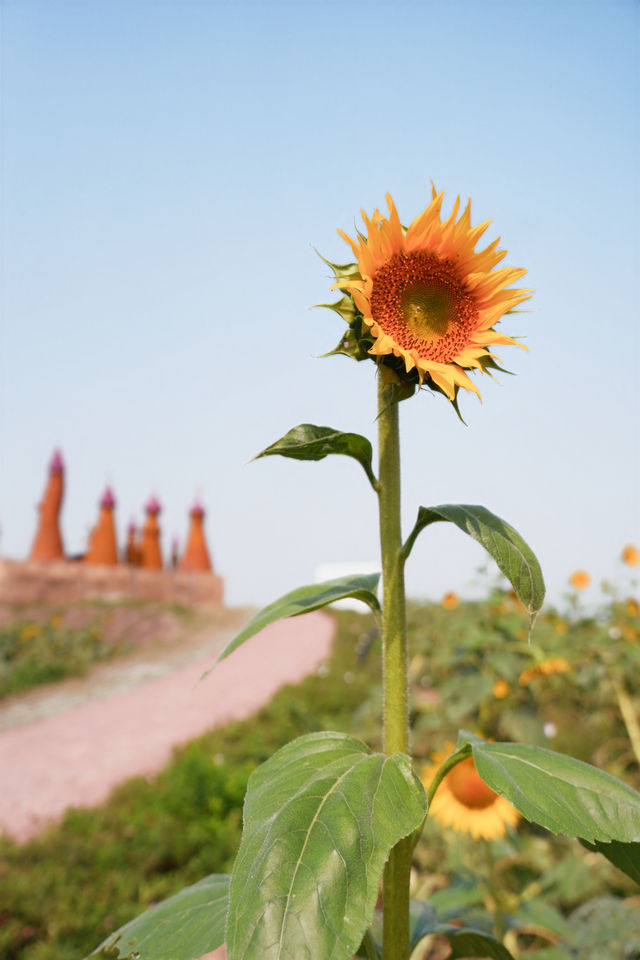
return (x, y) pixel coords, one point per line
(425, 922)
(472, 943)
(513, 556)
(560, 793)
(305, 599)
(183, 926)
(309, 442)
(320, 819)
(33, 653)
(564, 681)
(625, 856)
(605, 928)
(44, 645)
(68, 888)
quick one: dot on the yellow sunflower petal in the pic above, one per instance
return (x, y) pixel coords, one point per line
(466, 804)
(427, 295)
(486, 285)
(486, 337)
(445, 383)
(424, 226)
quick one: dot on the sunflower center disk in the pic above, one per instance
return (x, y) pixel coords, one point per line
(428, 310)
(419, 301)
(468, 788)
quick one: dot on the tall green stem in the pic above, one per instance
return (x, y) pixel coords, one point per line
(394, 646)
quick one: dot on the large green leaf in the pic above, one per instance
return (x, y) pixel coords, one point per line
(304, 600)
(185, 926)
(540, 913)
(513, 556)
(465, 942)
(309, 442)
(320, 819)
(422, 919)
(560, 793)
(625, 856)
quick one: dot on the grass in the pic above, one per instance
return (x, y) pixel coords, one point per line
(34, 653)
(40, 646)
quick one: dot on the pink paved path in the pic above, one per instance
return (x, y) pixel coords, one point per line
(77, 757)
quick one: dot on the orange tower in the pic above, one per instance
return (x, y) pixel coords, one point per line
(134, 547)
(151, 553)
(102, 546)
(47, 545)
(196, 555)
(175, 553)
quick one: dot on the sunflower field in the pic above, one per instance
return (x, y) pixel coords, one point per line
(573, 685)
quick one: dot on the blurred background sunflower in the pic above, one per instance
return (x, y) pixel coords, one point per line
(464, 802)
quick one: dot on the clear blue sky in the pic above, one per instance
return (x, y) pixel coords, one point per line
(167, 166)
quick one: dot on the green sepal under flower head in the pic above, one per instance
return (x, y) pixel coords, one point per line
(401, 389)
(345, 307)
(342, 271)
(350, 345)
(488, 363)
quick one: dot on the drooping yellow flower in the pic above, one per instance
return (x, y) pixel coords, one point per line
(580, 579)
(427, 296)
(630, 555)
(450, 601)
(465, 803)
(546, 668)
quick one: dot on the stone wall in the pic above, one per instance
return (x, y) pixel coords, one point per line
(68, 581)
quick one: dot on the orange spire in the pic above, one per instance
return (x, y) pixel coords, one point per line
(102, 546)
(196, 555)
(151, 554)
(134, 546)
(175, 553)
(47, 545)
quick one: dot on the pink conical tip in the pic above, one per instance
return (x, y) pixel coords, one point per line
(197, 510)
(132, 529)
(108, 500)
(153, 506)
(57, 463)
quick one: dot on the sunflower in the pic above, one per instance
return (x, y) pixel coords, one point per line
(450, 601)
(580, 579)
(427, 297)
(465, 803)
(500, 689)
(630, 555)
